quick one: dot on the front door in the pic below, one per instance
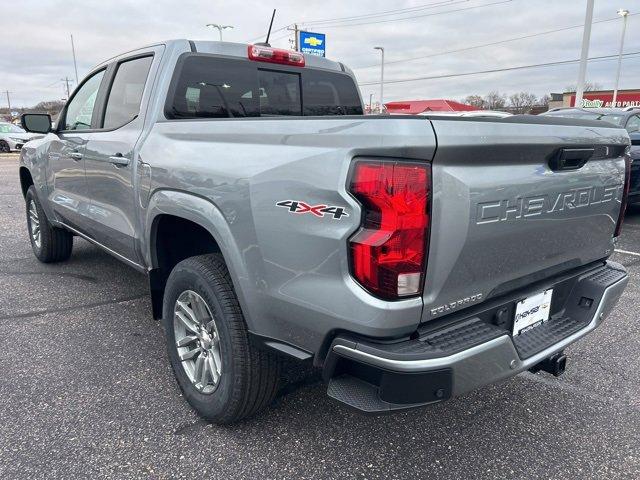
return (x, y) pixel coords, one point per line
(66, 176)
(110, 159)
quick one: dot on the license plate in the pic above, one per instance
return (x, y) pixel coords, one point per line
(532, 312)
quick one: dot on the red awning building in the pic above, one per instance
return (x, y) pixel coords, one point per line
(413, 107)
(597, 99)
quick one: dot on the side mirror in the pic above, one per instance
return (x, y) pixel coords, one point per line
(36, 122)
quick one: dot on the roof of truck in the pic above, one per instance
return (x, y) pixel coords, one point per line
(232, 49)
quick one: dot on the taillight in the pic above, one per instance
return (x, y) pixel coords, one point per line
(389, 252)
(625, 192)
(259, 53)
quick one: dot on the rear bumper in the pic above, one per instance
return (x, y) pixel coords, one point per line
(467, 354)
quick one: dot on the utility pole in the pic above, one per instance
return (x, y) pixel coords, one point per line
(586, 36)
(75, 65)
(8, 100)
(370, 102)
(295, 31)
(382, 77)
(66, 80)
(623, 13)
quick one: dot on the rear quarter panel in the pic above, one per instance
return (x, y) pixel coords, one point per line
(290, 270)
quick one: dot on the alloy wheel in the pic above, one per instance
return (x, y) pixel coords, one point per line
(197, 341)
(34, 224)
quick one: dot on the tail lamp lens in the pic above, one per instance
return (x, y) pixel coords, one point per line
(389, 252)
(625, 192)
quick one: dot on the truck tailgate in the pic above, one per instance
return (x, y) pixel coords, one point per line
(504, 216)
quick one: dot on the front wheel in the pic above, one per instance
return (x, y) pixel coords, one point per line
(222, 375)
(50, 244)
(4, 147)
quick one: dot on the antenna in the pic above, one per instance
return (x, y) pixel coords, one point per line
(266, 43)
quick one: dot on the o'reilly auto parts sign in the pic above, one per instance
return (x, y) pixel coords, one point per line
(312, 43)
(599, 100)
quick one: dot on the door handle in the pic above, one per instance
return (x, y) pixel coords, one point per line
(119, 160)
(571, 158)
(75, 156)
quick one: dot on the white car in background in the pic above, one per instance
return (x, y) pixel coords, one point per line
(12, 137)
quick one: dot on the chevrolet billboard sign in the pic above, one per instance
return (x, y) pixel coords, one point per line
(312, 43)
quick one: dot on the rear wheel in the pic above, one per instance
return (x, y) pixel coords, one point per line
(50, 244)
(4, 147)
(222, 375)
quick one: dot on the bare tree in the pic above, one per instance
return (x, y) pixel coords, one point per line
(495, 100)
(475, 101)
(522, 102)
(588, 87)
(544, 100)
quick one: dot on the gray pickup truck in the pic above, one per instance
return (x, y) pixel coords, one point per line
(410, 259)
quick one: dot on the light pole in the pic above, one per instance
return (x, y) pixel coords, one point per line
(623, 13)
(381, 77)
(586, 36)
(219, 27)
(370, 102)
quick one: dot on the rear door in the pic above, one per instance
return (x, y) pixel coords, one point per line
(68, 193)
(110, 159)
(504, 215)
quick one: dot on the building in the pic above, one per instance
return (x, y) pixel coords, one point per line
(597, 99)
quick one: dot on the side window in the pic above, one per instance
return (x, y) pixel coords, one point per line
(633, 125)
(80, 109)
(125, 96)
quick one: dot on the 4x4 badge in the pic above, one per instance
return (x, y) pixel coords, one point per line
(296, 206)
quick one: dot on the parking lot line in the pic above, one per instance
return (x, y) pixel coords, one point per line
(626, 252)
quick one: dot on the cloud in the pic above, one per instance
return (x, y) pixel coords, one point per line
(36, 50)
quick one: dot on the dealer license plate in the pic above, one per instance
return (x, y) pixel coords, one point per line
(532, 312)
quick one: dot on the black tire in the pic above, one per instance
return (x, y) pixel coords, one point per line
(250, 376)
(4, 147)
(56, 243)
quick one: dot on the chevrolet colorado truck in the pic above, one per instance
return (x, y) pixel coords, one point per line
(410, 259)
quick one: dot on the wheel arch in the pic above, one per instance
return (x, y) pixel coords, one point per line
(26, 180)
(203, 229)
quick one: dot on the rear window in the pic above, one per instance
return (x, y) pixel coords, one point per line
(211, 87)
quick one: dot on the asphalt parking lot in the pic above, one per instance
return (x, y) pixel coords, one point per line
(86, 391)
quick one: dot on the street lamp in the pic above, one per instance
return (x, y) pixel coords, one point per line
(219, 27)
(624, 14)
(381, 77)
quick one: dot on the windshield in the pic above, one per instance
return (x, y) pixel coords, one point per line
(616, 119)
(9, 128)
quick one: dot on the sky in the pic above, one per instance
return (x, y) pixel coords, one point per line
(35, 51)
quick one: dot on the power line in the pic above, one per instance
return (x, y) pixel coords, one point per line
(398, 11)
(497, 70)
(272, 32)
(499, 42)
(413, 17)
(311, 22)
